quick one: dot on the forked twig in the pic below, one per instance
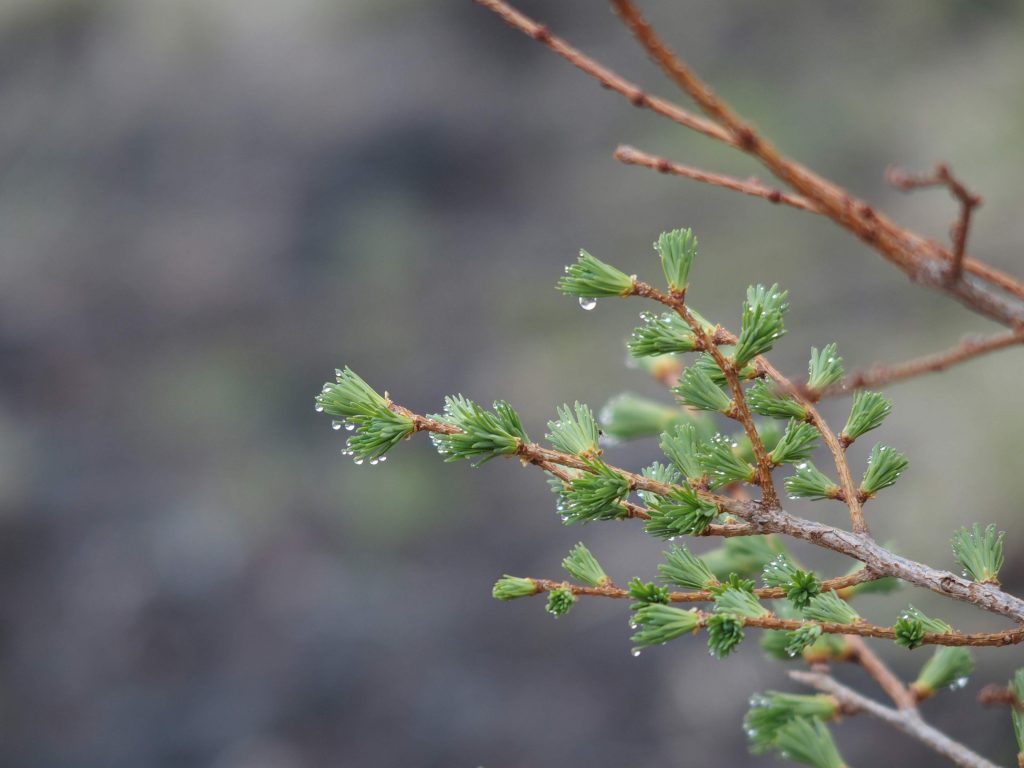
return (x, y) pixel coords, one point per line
(907, 720)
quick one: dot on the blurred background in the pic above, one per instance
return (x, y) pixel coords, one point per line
(205, 207)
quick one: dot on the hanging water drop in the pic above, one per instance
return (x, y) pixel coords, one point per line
(350, 426)
(335, 425)
(358, 462)
(635, 652)
(587, 303)
(318, 408)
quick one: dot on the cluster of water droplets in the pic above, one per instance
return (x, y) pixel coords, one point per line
(778, 567)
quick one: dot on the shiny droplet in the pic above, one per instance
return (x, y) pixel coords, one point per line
(587, 303)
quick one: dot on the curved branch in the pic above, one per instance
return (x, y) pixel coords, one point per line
(907, 720)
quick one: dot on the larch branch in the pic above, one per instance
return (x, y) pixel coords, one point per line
(908, 721)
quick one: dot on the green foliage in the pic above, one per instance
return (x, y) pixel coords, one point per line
(511, 587)
(770, 435)
(738, 599)
(829, 607)
(949, 667)
(798, 640)
(560, 600)
(745, 555)
(824, 369)
(807, 740)
(360, 408)
(912, 626)
(662, 473)
(1017, 713)
(350, 398)
(484, 435)
(660, 623)
(677, 250)
(763, 313)
(680, 513)
(663, 334)
(583, 567)
(980, 553)
(697, 390)
(646, 593)
(719, 462)
(591, 278)
(868, 412)
(797, 443)
(809, 482)
(685, 569)
(770, 711)
(725, 632)
(800, 585)
(594, 495)
(765, 401)
(575, 431)
(682, 445)
(885, 465)
(628, 416)
(377, 436)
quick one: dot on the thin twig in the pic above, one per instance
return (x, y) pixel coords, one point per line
(879, 670)
(850, 495)
(995, 695)
(768, 520)
(708, 343)
(633, 156)
(908, 721)
(879, 375)
(942, 176)
(921, 260)
(606, 77)
(770, 621)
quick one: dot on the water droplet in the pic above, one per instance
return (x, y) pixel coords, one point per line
(957, 684)
(374, 462)
(318, 408)
(335, 425)
(358, 462)
(635, 652)
(382, 459)
(587, 303)
(350, 426)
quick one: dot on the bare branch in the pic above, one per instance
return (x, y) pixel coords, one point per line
(633, 156)
(606, 77)
(942, 176)
(879, 670)
(879, 375)
(908, 720)
(853, 631)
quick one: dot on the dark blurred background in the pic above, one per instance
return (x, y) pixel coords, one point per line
(205, 207)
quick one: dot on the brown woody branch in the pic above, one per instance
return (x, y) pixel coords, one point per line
(850, 494)
(879, 670)
(753, 187)
(766, 520)
(908, 721)
(942, 176)
(924, 262)
(709, 343)
(879, 375)
(995, 695)
(770, 621)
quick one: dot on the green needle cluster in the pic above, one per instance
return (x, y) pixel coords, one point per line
(483, 435)
(979, 552)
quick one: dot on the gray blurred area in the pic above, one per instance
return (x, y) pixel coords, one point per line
(205, 207)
